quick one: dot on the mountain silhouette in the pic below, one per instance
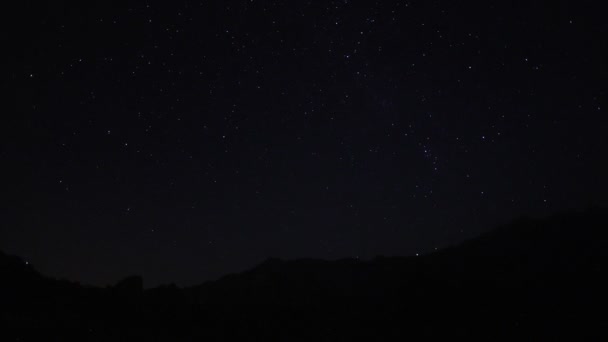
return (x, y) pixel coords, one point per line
(529, 280)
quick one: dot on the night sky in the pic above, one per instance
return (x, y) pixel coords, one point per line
(185, 140)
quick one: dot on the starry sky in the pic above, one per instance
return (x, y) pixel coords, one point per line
(185, 140)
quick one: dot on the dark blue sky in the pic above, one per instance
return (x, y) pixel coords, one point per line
(186, 140)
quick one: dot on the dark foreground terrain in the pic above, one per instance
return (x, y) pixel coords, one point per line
(531, 280)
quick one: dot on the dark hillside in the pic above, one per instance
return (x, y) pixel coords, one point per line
(542, 278)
